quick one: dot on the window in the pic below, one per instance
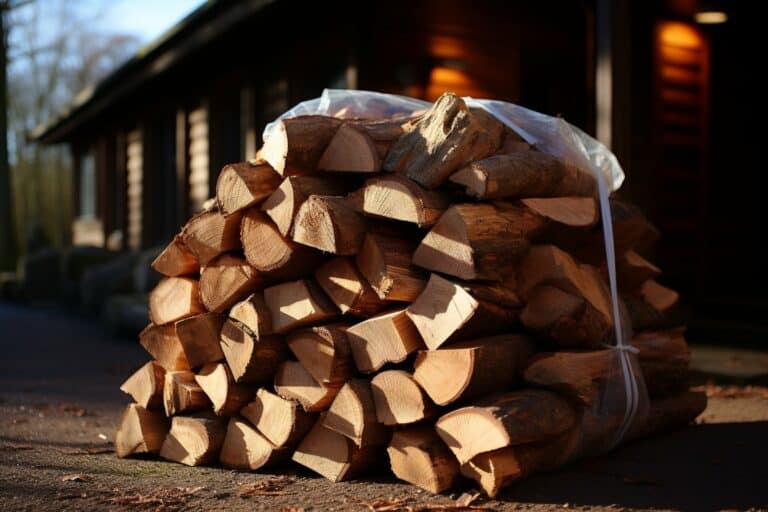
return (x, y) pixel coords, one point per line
(88, 186)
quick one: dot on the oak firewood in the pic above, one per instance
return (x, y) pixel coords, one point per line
(348, 288)
(281, 421)
(328, 223)
(499, 468)
(283, 205)
(386, 338)
(476, 241)
(385, 261)
(448, 136)
(298, 143)
(176, 260)
(350, 150)
(324, 352)
(516, 417)
(293, 381)
(298, 304)
(227, 280)
(397, 197)
(469, 370)
(418, 456)
(399, 399)
(194, 440)
(445, 311)
(650, 306)
(243, 185)
(511, 142)
(218, 384)
(383, 132)
(567, 301)
(663, 359)
(251, 359)
(245, 448)
(270, 252)
(524, 174)
(145, 385)
(174, 298)
(253, 314)
(209, 234)
(140, 431)
(182, 394)
(199, 338)
(163, 344)
(353, 414)
(632, 270)
(332, 455)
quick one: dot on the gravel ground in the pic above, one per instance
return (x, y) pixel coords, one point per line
(59, 407)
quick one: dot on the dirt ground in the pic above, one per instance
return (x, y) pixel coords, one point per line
(59, 406)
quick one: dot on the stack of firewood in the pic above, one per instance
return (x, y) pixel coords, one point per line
(429, 287)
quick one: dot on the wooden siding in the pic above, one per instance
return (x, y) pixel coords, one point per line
(134, 189)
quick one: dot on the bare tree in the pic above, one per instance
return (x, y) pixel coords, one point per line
(55, 51)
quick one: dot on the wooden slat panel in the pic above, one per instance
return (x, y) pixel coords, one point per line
(134, 179)
(199, 178)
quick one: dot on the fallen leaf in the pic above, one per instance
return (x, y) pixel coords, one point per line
(75, 478)
(11, 447)
(271, 487)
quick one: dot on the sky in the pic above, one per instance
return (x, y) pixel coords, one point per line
(145, 18)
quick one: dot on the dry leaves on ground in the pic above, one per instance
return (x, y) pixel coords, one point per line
(404, 504)
(163, 499)
(271, 487)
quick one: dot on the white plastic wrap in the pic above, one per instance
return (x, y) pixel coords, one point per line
(623, 401)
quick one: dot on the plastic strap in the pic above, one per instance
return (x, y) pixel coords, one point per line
(631, 389)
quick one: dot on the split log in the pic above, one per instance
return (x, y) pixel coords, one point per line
(385, 261)
(497, 469)
(283, 205)
(511, 142)
(328, 223)
(445, 311)
(194, 440)
(651, 306)
(163, 344)
(399, 399)
(283, 422)
(350, 150)
(324, 352)
(176, 260)
(227, 280)
(469, 370)
(475, 241)
(333, 455)
(174, 298)
(397, 197)
(294, 382)
(181, 393)
(418, 456)
(567, 301)
(298, 143)
(217, 383)
(244, 448)
(348, 288)
(353, 414)
(251, 360)
(199, 338)
(383, 132)
(448, 136)
(516, 417)
(298, 304)
(270, 252)
(140, 431)
(243, 185)
(386, 338)
(209, 234)
(145, 385)
(524, 174)
(632, 270)
(253, 314)
(663, 358)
